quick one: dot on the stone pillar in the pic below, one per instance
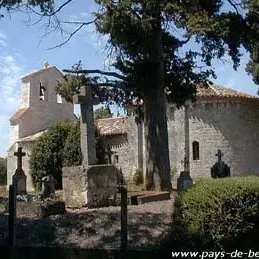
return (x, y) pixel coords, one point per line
(87, 131)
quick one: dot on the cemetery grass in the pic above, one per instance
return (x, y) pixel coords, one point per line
(131, 187)
(3, 191)
(3, 198)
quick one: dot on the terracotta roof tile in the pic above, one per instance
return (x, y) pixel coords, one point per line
(215, 91)
(18, 114)
(112, 126)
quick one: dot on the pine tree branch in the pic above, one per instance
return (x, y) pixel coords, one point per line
(183, 42)
(68, 39)
(233, 5)
(47, 14)
(95, 71)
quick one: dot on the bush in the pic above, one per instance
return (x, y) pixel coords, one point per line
(59, 147)
(223, 213)
(72, 155)
(138, 177)
(47, 156)
(3, 171)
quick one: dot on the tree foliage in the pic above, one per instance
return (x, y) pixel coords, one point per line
(102, 113)
(3, 170)
(55, 149)
(59, 147)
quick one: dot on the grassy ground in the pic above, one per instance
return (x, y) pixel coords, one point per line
(134, 188)
(3, 191)
(3, 198)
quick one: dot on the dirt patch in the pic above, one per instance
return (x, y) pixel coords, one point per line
(99, 228)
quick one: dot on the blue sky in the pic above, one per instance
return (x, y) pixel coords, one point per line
(24, 49)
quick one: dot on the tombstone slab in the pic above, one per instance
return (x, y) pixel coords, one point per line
(90, 186)
(184, 181)
(48, 186)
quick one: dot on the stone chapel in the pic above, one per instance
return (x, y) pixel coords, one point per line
(40, 107)
(221, 118)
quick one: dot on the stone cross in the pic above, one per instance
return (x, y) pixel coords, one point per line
(19, 178)
(87, 130)
(48, 186)
(185, 163)
(108, 155)
(19, 155)
(219, 155)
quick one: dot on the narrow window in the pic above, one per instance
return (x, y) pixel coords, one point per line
(195, 150)
(42, 92)
(116, 159)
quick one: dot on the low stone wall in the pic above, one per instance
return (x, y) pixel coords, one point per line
(89, 187)
(39, 209)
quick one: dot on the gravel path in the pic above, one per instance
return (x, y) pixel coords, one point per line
(95, 228)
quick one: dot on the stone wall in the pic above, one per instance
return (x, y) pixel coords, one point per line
(25, 95)
(229, 126)
(13, 133)
(91, 187)
(42, 115)
(126, 147)
(31, 87)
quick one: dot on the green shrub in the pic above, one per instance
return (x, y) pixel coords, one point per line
(55, 148)
(3, 171)
(138, 177)
(223, 213)
(59, 147)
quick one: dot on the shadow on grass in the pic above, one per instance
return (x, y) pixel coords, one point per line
(96, 231)
(75, 253)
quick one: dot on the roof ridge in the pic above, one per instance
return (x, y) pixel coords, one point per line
(213, 88)
(40, 71)
(120, 117)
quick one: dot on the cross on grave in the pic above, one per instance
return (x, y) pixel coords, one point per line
(19, 178)
(108, 155)
(19, 155)
(219, 155)
(87, 130)
(185, 163)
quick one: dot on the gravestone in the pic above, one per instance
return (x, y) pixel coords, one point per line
(185, 163)
(220, 169)
(184, 181)
(48, 187)
(18, 186)
(19, 178)
(108, 155)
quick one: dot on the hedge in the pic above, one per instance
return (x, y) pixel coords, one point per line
(219, 214)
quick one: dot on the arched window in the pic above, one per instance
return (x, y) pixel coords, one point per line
(195, 150)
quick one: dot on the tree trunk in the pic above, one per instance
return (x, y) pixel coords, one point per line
(155, 121)
(156, 143)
